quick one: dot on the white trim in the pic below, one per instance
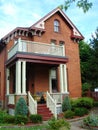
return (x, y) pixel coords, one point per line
(41, 24)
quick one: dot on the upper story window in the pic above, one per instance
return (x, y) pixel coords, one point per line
(56, 26)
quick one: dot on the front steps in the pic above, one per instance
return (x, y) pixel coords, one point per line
(44, 112)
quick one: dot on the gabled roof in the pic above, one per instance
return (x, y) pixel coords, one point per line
(40, 24)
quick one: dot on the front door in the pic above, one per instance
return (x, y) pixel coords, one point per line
(53, 81)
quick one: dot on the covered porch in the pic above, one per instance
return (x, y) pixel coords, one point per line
(39, 74)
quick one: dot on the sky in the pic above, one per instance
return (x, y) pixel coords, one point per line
(24, 13)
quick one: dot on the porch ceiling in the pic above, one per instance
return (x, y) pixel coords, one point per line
(38, 58)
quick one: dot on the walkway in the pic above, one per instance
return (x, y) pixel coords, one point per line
(77, 124)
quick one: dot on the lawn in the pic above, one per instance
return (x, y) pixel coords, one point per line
(42, 127)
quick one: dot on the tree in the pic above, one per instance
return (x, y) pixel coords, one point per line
(85, 58)
(89, 61)
(84, 4)
(94, 60)
(21, 107)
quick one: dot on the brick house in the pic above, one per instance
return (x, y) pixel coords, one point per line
(42, 59)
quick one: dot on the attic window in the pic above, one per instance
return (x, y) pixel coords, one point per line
(56, 26)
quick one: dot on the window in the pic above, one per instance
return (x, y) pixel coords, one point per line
(61, 43)
(53, 42)
(56, 26)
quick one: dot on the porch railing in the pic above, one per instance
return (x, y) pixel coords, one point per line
(51, 104)
(11, 99)
(32, 104)
(59, 97)
(36, 47)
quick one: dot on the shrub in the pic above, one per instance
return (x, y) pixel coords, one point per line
(95, 103)
(2, 115)
(9, 119)
(19, 119)
(83, 102)
(80, 111)
(36, 118)
(66, 105)
(91, 120)
(69, 114)
(21, 107)
(58, 124)
(85, 87)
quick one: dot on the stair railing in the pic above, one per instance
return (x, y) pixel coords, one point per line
(51, 104)
(32, 104)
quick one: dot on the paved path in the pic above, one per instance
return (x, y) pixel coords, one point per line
(77, 125)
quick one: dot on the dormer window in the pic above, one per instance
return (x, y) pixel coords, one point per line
(56, 26)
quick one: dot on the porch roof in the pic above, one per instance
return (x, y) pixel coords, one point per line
(37, 58)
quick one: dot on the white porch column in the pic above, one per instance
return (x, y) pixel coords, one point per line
(65, 79)
(7, 81)
(24, 77)
(61, 78)
(18, 77)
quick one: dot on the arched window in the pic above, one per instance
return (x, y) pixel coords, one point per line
(56, 26)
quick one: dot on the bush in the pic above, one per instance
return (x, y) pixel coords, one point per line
(19, 119)
(69, 114)
(85, 87)
(21, 107)
(35, 118)
(91, 120)
(58, 124)
(2, 115)
(95, 103)
(66, 105)
(80, 111)
(85, 102)
(9, 119)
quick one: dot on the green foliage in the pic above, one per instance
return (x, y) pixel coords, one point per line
(66, 105)
(91, 120)
(9, 119)
(80, 111)
(58, 124)
(3, 114)
(36, 118)
(95, 103)
(21, 107)
(84, 4)
(94, 61)
(20, 119)
(69, 114)
(85, 102)
(85, 57)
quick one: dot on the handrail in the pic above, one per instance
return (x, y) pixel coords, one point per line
(51, 104)
(32, 104)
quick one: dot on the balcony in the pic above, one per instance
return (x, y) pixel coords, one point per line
(30, 47)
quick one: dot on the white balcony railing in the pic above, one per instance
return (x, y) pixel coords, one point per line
(36, 47)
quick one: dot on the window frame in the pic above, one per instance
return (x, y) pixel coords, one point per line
(56, 26)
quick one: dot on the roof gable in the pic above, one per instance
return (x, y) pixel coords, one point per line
(41, 23)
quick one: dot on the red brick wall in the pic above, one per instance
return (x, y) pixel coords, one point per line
(2, 76)
(73, 66)
(71, 50)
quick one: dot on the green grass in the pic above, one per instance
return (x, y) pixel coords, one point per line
(42, 127)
